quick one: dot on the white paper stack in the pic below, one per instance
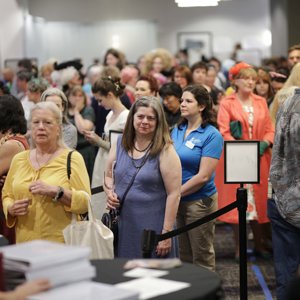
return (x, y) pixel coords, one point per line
(87, 291)
(59, 263)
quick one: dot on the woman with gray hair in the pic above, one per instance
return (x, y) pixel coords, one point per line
(69, 131)
(38, 197)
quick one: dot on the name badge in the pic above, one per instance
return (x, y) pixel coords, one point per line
(190, 145)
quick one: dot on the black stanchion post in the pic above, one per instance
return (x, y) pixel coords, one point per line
(242, 208)
(149, 241)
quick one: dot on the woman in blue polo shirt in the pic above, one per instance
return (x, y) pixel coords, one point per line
(199, 146)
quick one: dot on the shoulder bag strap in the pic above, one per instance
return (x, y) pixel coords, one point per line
(69, 170)
(132, 180)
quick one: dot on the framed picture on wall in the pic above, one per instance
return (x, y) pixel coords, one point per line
(198, 44)
(250, 56)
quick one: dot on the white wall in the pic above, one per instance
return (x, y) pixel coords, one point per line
(68, 40)
(231, 22)
(11, 31)
(91, 24)
(280, 43)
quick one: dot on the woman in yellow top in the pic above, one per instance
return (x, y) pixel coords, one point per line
(37, 195)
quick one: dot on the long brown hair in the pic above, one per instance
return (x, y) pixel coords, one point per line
(161, 136)
(262, 75)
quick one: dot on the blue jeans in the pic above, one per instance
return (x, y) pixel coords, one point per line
(286, 248)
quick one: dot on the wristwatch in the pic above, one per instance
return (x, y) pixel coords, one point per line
(59, 194)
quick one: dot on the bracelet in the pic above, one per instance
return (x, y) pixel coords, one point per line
(59, 194)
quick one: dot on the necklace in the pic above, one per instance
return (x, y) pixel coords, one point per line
(143, 150)
(145, 157)
(43, 162)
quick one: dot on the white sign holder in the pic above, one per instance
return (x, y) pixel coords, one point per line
(242, 162)
(242, 165)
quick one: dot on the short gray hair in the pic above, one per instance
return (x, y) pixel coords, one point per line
(57, 115)
(64, 100)
(37, 85)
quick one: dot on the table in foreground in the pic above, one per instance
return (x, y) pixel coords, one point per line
(204, 283)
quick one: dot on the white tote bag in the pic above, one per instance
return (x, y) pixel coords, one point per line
(91, 233)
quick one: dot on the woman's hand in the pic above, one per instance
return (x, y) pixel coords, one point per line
(41, 188)
(19, 208)
(30, 288)
(92, 137)
(78, 107)
(164, 247)
(112, 200)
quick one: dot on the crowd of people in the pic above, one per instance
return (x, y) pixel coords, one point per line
(151, 133)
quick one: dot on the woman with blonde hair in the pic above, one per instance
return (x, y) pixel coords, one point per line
(292, 81)
(251, 112)
(38, 197)
(69, 131)
(158, 63)
(46, 71)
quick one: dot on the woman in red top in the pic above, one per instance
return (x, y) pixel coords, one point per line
(12, 141)
(252, 112)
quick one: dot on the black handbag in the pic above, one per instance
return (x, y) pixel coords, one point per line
(110, 219)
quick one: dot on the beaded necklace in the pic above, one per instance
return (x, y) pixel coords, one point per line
(145, 157)
(143, 150)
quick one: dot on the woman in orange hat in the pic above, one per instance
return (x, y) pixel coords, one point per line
(252, 112)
